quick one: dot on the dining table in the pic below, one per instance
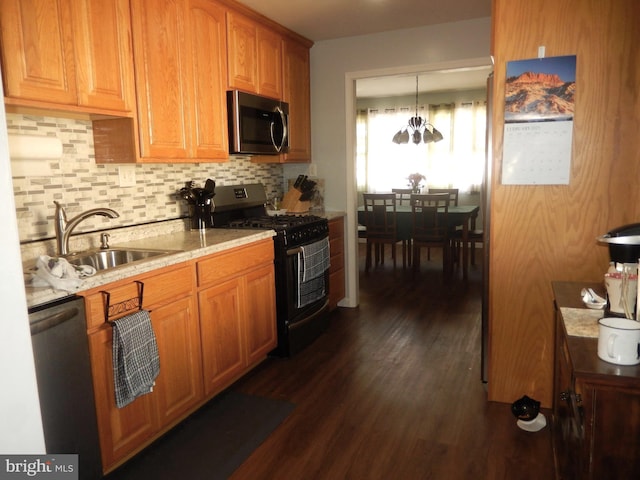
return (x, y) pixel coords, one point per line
(458, 215)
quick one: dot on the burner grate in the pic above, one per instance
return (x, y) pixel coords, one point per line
(277, 222)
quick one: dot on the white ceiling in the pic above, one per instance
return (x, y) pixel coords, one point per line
(330, 19)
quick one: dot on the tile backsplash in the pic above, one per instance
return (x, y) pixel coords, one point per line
(79, 184)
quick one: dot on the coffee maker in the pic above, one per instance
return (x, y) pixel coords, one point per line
(200, 203)
(621, 280)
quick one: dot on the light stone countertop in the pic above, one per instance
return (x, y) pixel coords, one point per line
(169, 235)
(332, 215)
(185, 245)
(581, 322)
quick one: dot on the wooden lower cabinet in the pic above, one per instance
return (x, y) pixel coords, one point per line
(336, 270)
(237, 316)
(178, 386)
(207, 336)
(122, 431)
(260, 305)
(596, 408)
(178, 389)
(221, 334)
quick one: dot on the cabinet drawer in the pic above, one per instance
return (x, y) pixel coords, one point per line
(336, 229)
(158, 289)
(336, 239)
(221, 266)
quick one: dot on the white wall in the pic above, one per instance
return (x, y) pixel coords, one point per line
(335, 64)
(20, 423)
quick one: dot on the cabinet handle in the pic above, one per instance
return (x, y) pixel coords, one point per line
(578, 398)
(564, 396)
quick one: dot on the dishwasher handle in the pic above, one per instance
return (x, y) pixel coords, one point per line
(54, 320)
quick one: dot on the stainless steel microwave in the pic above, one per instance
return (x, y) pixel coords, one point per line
(257, 125)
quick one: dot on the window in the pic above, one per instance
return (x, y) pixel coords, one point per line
(455, 162)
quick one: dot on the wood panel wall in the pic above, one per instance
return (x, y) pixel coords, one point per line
(544, 233)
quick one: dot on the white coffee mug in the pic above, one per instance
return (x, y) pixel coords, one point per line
(619, 341)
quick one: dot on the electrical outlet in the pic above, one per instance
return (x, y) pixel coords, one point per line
(312, 170)
(127, 175)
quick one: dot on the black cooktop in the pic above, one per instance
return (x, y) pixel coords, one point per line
(277, 222)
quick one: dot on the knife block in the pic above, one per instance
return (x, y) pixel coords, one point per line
(291, 202)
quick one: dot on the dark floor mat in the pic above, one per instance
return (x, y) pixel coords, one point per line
(211, 443)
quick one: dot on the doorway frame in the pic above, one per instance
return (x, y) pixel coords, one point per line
(352, 280)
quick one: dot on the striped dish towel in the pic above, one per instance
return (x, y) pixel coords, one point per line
(314, 259)
(136, 362)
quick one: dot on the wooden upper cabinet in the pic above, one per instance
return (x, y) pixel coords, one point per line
(297, 93)
(242, 55)
(74, 53)
(179, 58)
(254, 57)
(208, 35)
(160, 70)
(104, 57)
(269, 63)
(37, 50)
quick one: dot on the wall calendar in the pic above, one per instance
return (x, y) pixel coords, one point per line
(538, 128)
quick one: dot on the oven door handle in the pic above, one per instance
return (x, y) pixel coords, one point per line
(294, 251)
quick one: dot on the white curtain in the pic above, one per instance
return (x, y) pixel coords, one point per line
(455, 162)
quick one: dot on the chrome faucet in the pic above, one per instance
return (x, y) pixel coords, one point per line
(64, 227)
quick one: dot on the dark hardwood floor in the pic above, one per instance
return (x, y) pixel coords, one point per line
(392, 391)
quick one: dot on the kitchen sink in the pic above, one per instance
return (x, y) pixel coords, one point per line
(113, 257)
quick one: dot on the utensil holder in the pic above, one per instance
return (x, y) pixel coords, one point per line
(201, 217)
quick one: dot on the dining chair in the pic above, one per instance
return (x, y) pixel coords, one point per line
(402, 195)
(453, 193)
(453, 200)
(430, 228)
(380, 221)
(474, 236)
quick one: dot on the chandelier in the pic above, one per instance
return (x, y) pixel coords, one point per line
(421, 130)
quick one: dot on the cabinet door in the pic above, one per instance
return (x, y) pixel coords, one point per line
(336, 270)
(614, 432)
(568, 422)
(208, 47)
(37, 50)
(565, 435)
(221, 334)
(269, 45)
(121, 430)
(163, 110)
(297, 93)
(104, 60)
(260, 313)
(179, 383)
(242, 54)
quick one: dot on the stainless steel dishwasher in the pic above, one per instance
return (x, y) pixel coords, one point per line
(65, 388)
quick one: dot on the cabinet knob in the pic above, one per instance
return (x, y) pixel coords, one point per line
(564, 396)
